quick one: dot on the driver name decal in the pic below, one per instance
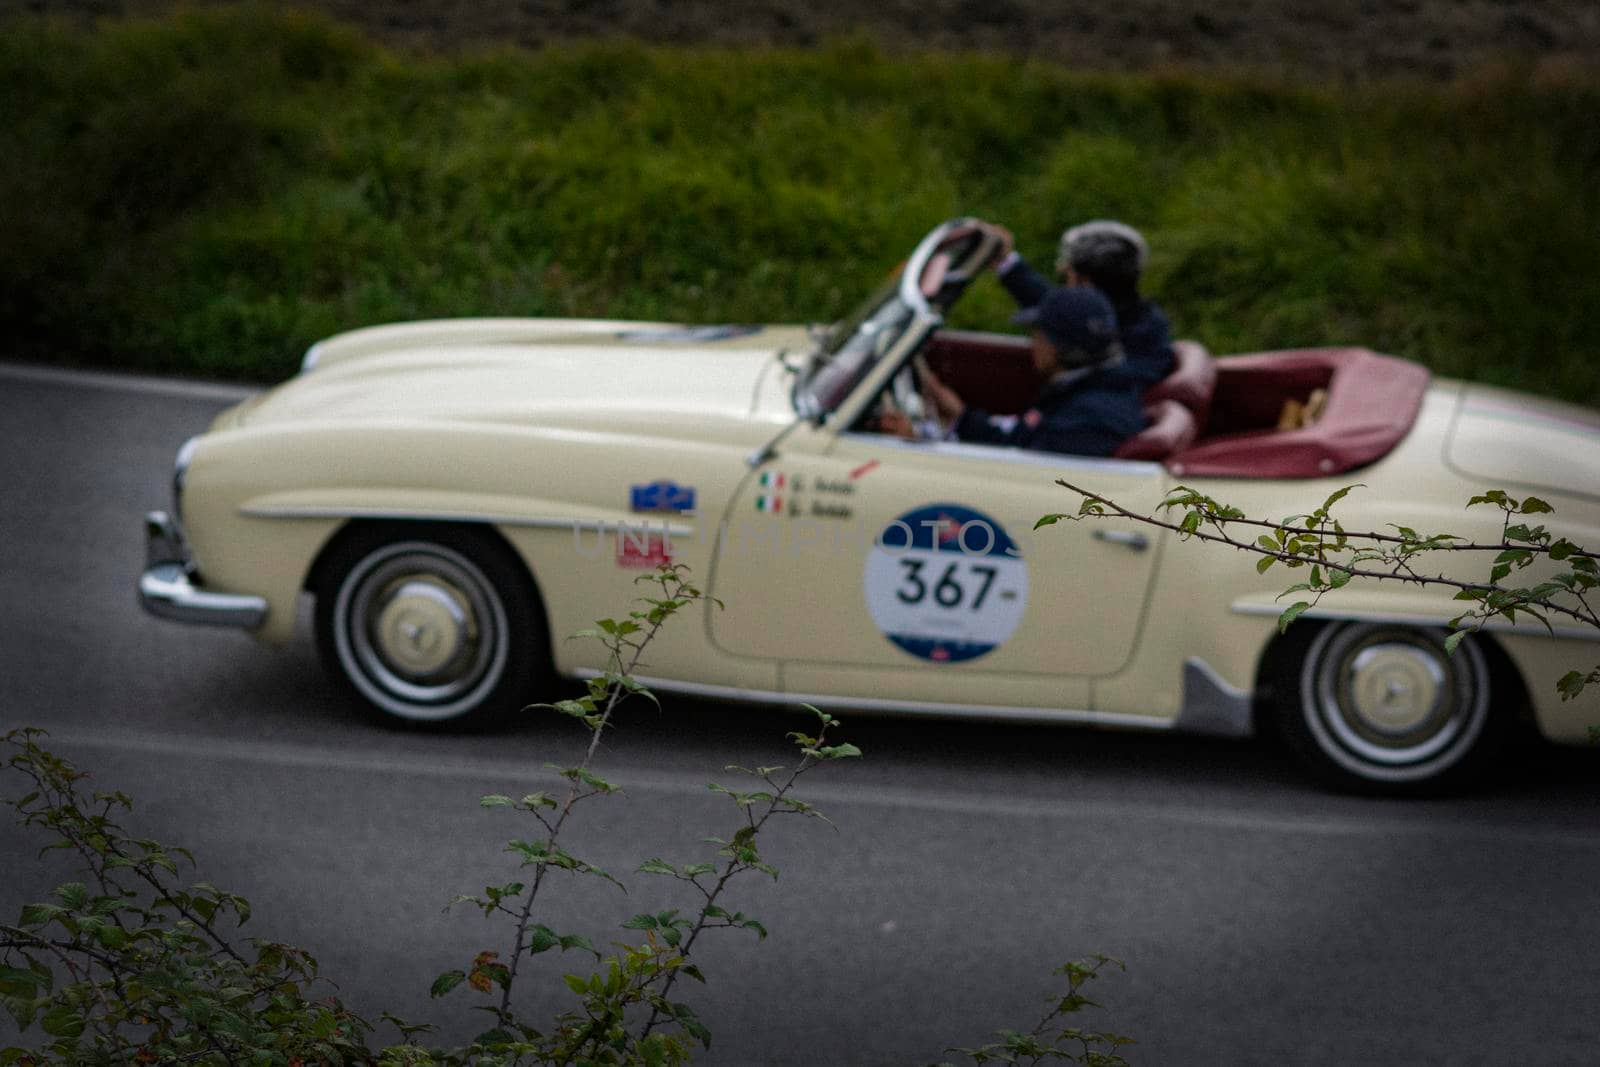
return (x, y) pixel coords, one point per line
(946, 583)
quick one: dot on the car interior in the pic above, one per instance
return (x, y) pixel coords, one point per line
(1300, 413)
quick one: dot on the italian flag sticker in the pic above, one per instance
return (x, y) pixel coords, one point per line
(773, 480)
(770, 504)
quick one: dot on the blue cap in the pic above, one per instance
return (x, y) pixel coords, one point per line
(1079, 321)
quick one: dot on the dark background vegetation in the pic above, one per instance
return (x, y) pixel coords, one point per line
(211, 190)
(1341, 39)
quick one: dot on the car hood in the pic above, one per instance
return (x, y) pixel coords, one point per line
(1510, 440)
(537, 372)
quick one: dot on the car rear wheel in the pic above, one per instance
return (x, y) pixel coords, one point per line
(1383, 708)
(429, 625)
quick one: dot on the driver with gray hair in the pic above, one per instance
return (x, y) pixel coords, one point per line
(1110, 256)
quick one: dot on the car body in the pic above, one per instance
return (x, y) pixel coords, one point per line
(459, 495)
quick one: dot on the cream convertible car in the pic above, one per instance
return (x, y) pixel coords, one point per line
(459, 495)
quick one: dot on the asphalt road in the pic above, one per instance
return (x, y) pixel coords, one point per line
(1262, 921)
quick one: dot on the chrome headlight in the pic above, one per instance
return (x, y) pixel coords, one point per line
(180, 474)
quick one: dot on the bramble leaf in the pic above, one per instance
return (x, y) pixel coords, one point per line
(446, 982)
(1291, 613)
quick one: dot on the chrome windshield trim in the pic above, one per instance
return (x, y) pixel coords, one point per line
(1418, 618)
(913, 708)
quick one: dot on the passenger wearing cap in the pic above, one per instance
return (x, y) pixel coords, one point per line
(1110, 256)
(1085, 408)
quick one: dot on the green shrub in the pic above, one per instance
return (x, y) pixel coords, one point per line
(213, 191)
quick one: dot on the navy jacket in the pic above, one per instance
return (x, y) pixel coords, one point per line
(1142, 327)
(1085, 415)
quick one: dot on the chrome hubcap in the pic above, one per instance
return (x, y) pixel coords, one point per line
(420, 631)
(1388, 703)
(1395, 689)
(422, 628)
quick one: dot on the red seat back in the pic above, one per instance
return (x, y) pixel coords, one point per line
(1172, 427)
(992, 371)
(1192, 383)
(1372, 403)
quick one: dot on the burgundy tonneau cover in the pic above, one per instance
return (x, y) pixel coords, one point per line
(1372, 402)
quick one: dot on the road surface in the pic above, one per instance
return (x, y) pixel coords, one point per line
(1262, 921)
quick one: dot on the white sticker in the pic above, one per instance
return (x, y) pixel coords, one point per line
(946, 583)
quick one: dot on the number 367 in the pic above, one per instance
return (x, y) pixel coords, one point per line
(949, 591)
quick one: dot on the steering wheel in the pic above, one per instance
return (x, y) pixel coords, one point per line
(906, 392)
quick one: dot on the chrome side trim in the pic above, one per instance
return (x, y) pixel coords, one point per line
(1211, 705)
(1417, 618)
(1057, 461)
(914, 708)
(641, 521)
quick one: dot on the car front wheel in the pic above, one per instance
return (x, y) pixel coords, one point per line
(430, 625)
(1377, 707)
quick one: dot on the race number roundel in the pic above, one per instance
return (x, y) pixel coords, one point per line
(946, 583)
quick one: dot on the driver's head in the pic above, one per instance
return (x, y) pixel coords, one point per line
(1107, 254)
(1073, 326)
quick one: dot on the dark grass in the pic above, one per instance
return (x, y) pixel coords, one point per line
(210, 193)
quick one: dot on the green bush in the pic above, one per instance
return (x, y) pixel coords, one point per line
(134, 964)
(211, 192)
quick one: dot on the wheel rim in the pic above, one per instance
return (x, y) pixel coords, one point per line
(420, 631)
(1389, 704)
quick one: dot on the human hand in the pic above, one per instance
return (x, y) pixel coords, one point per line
(1008, 243)
(947, 403)
(892, 420)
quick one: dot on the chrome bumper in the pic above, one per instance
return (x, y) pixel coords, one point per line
(168, 587)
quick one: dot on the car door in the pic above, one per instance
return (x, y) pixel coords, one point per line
(876, 568)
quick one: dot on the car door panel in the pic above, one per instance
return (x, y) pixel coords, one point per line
(914, 568)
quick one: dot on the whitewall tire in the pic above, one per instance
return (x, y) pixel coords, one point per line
(430, 625)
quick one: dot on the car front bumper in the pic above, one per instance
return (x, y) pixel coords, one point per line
(170, 589)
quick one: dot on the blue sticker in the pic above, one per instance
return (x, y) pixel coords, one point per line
(946, 583)
(664, 495)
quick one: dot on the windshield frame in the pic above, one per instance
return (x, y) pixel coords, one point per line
(876, 331)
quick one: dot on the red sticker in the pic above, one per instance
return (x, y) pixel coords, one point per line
(642, 551)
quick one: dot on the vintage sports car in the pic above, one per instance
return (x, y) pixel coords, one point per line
(460, 495)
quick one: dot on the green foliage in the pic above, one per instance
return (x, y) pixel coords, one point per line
(626, 1012)
(131, 965)
(213, 191)
(135, 964)
(1319, 544)
(1054, 1039)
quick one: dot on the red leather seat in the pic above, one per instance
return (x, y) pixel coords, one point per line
(1172, 427)
(1372, 403)
(1192, 383)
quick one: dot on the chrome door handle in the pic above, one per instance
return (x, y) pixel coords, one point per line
(1127, 538)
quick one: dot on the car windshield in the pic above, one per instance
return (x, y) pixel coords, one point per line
(918, 291)
(851, 346)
